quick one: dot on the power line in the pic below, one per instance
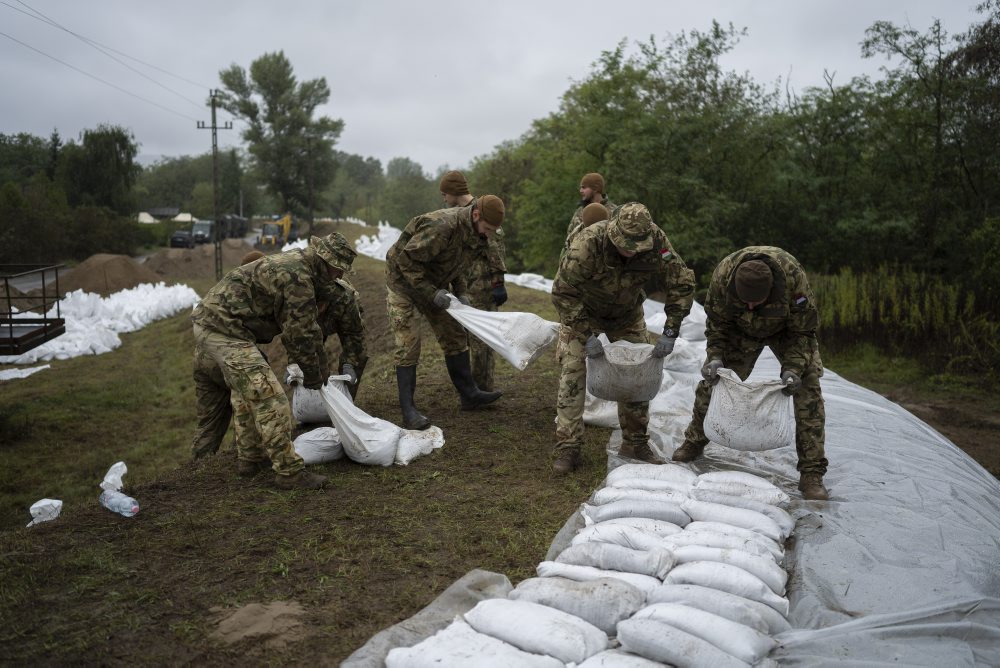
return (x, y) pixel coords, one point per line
(96, 78)
(101, 48)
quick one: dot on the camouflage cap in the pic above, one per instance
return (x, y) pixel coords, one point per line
(594, 181)
(631, 228)
(491, 209)
(594, 212)
(753, 281)
(454, 183)
(335, 250)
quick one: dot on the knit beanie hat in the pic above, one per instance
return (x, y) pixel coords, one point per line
(491, 209)
(454, 183)
(593, 213)
(594, 181)
(753, 281)
(250, 257)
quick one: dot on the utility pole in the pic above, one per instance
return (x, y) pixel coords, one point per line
(217, 224)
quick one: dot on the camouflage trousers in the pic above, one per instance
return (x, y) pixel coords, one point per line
(404, 320)
(810, 411)
(232, 378)
(633, 416)
(483, 361)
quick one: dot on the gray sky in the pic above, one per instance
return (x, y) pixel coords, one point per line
(438, 81)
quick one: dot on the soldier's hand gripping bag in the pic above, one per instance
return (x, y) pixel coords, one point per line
(517, 337)
(749, 416)
(625, 372)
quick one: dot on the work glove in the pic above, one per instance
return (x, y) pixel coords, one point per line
(792, 382)
(593, 347)
(710, 372)
(465, 300)
(314, 383)
(499, 294)
(441, 299)
(665, 344)
(352, 375)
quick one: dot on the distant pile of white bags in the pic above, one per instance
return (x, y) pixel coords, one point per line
(670, 567)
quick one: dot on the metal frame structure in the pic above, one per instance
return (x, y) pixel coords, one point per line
(20, 333)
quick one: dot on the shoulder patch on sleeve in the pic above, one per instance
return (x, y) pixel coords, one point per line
(665, 253)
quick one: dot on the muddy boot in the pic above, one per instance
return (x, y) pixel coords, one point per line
(566, 462)
(644, 453)
(248, 469)
(626, 450)
(301, 480)
(406, 383)
(461, 377)
(688, 452)
(811, 486)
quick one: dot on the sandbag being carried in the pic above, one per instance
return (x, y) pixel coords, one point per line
(518, 337)
(461, 645)
(307, 405)
(603, 602)
(749, 416)
(319, 445)
(625, 372)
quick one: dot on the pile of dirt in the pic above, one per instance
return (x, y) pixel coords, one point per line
(106, 274)
(198, 262)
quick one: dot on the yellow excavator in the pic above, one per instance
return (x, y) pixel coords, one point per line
(278, 233)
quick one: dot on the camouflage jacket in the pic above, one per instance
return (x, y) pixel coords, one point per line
(274, 295)
(341, 314)
(576, 222)
(434, 252)
(486, 270)
(597, 288)
(789, 312)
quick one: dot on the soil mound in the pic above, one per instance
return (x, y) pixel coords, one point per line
(106, 274)
(198, 262)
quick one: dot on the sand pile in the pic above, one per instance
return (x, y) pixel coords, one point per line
(198, 262)
(105, 274)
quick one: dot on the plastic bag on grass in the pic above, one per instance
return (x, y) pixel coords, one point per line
(460, 645)
(113, 478)
(319, 445)
(307, 405)
(603, 602)
(44, 510)
(749, 416)
(518, 337)
(625, 372)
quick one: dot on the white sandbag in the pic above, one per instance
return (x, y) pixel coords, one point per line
(773, 575)
(610, 494)
(656, 562)
(616, 658)
(740, 517)
(737, 483)
(721, 540)
(549, 569)
(743, 642)
(651, 485)
(538, 629)
(662, 642)
(657, 510)
(754, 614)
(371, 440)
(603, 602)
(625, 372)
(460, 645)
(307, 405)
(618, 534)
(668, 471)
(774, 547)
(646, 525)
(779, 515)
(749, 416)
(517, 337)
(319, 445)
(727, 578)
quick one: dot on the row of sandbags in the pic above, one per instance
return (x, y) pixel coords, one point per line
(670, 567)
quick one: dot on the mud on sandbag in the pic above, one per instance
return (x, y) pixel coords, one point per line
(749, 416)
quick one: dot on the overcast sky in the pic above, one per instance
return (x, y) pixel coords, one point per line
(440, 82)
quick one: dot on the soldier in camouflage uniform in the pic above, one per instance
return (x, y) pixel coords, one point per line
(430, 257)
(254, 303)
(591, 192)
(486, 288)
(599, 288)
(760, 296)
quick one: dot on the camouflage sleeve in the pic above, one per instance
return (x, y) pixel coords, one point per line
(716, 325)
(297, 314)
(575, 222)
(344, 318)
(429, 239)
(574, 270)
(803, 321)
(679, 281)
(496, 253)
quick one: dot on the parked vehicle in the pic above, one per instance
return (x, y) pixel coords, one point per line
(278, 233)
(182, 239)
(203, 231)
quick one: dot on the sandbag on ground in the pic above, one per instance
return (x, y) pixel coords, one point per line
(616, 658)
(644, 583)
(461, 645)
(743, 642)
(603, 602)
(729, 579)
(662, 642)
(655, 562)
(749, 613)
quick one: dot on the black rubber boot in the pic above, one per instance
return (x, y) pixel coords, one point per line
(461, 377)
(406, 382)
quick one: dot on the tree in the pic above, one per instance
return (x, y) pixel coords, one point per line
(356, 187)
(101, 170)
(292, 150)
(408, 192)
(21, 157)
